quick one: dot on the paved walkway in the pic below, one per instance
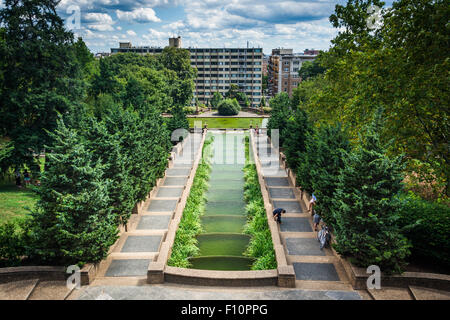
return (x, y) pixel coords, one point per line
(180, 292)
(140, 245)
(315, 269)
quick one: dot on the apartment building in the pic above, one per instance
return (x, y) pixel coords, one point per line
(284, 65)
(218, 69)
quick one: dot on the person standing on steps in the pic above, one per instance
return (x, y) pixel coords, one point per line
(312, 203)
(277, 214)
(316, 221)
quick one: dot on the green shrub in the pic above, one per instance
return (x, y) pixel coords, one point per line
(13, 242)
(229, 107)
(431, 228)
(267, 110)
(189, 110)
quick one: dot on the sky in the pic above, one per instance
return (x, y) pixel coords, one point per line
(269, 24)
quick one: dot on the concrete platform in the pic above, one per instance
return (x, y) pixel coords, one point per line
(315, 271)
(158, 222)
(128, 268)
(289, 206)
(304, 247)
(295, 225)
(178, 172)
(172, 181)
(281, 193)
(142, 244)
(169, 192)
(277, 182)
(162, 205)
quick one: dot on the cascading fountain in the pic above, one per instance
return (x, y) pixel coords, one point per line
(222, 244)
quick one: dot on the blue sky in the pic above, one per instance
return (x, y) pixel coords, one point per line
(297, 24)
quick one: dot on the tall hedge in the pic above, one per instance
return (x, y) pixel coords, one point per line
(73, 222)
(431, 228)
(366, 228)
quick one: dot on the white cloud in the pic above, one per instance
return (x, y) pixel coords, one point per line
(131, 33)
(141, 15)
(103, 18)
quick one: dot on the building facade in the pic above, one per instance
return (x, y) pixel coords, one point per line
(283, 69)
(217, 69)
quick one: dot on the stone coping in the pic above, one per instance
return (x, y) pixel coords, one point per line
(32, 272)
(221, 278)
(286, 274)
(358, 278)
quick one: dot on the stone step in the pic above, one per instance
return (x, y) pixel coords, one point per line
(50, 290)
(17, 290)
(389, 293)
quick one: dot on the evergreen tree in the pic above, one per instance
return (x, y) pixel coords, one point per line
(217, 97)
(297, 128)
(324, 158)
(366, 215)
(178, 120)
(108, 148)
(281, 112)
(73, 221)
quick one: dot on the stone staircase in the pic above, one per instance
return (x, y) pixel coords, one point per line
(315, 269)
(129, 260)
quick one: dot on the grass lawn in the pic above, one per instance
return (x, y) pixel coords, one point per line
(243, 123)
(14, 200)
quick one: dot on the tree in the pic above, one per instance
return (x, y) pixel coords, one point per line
(281, 112)
(37, 59)
(73, 222)
(366, 216)
(311, 69)
(217, 97)
(401, 66)
(178, 120)
(229, 107)
(321, 164)
(297, 129)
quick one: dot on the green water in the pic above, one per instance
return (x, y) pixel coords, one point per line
(225, 223)
(225, 263)
(222, 244)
